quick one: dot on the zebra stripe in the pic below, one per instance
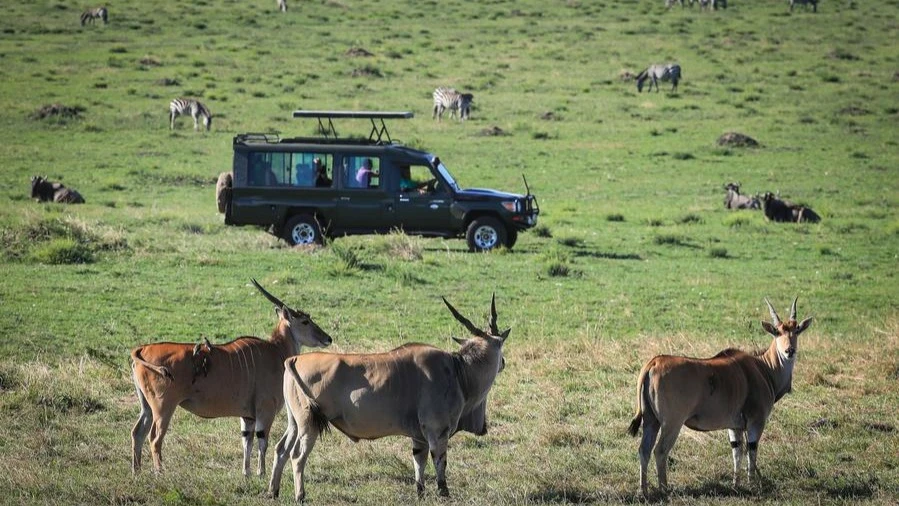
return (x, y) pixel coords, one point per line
(448, 98)
(91, 14)
(192, 106)
(670, 72)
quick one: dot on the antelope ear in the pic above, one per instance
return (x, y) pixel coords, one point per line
(460, 340)
(770, 328)
(803, 325)
(283, 313)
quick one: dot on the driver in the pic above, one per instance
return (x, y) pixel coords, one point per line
(407, 184)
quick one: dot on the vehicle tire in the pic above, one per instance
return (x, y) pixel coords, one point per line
(485, 233)
(223, 191)
(302, 229)
(511, 238)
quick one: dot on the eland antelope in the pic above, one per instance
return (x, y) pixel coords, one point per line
(416, 390)
(733, 390)
(241, 378)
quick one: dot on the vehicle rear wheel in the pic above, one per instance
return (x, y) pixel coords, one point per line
(223, 191)
(485, 233)
(302, 229)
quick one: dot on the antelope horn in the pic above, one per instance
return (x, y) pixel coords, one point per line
(493, 330)
(793, 309)
(268, 296)
(774, 317)
(464, 321)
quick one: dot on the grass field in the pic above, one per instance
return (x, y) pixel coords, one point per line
(635, 254)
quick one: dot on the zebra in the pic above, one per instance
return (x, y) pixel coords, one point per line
(190, 106)
(670, 72)
(805, 3)
(711, 4)
(91, 14)
(282, 5)
(448, 98)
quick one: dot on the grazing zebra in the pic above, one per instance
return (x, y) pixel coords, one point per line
(91, 14)
(282, 5)
(448, 98)
(190, 106)
(670, 72)
(805, 3)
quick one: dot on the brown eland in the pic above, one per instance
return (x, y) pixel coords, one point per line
(733, 390)
(416, 390)
(241, 379)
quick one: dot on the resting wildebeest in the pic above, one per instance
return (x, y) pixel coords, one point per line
(43, 190)
(734, 200)
(783, 210)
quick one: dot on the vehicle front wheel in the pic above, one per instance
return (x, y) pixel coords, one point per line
(302, 229)
(485, 233)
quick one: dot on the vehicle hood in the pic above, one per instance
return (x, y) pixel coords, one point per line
(485, 194)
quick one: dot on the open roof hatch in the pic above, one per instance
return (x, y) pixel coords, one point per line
(377, 134)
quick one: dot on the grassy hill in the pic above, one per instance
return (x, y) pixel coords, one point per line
(635, 255)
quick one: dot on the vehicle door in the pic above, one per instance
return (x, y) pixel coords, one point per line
(363, 204)
(422, 203)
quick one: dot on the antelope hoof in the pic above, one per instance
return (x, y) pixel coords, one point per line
(443, 492)
(420, 488)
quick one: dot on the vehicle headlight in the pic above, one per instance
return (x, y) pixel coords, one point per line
(513, 206)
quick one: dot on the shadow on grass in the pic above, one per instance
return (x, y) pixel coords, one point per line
(563, 495)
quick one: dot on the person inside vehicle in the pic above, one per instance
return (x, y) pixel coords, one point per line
(321, 174)
(365, 173)
(407, 184)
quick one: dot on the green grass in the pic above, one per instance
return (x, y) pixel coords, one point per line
(634, 255)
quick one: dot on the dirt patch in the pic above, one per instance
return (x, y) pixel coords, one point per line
(150, 61)
(626, 75)
(359, 52)
(737, 140)
(58, 111)
(493, 131)
(550, 116)
(165, 81)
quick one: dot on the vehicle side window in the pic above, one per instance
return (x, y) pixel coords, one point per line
(311, 170)
(261, 171)
(361, 172)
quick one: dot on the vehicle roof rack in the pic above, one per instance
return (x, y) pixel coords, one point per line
(270, 138)
(377, 133)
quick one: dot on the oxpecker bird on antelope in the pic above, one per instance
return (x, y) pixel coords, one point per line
(416, 390)
(241, 379)
(733, 390)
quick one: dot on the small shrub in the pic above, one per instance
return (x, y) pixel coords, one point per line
(689, 219)
(346, 255)
(654, 222)
(405, 247)
(683, 156)
(718, 252)
(543, 231)
(62, 251)
(571, 242)
(736, 220)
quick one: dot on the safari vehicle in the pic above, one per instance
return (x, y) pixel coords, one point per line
(305, 189)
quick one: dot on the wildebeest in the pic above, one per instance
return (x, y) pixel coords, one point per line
(416, 390)
(669, 72)
(734, 200)
(733, 390)
(241, 378)
(43, 190)
(805, 3)
(783, 210)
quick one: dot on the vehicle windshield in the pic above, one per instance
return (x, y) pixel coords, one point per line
(447, 176)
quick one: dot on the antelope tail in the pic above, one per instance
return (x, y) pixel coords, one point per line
(638, 418)
(319, 420)
(158, 369)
